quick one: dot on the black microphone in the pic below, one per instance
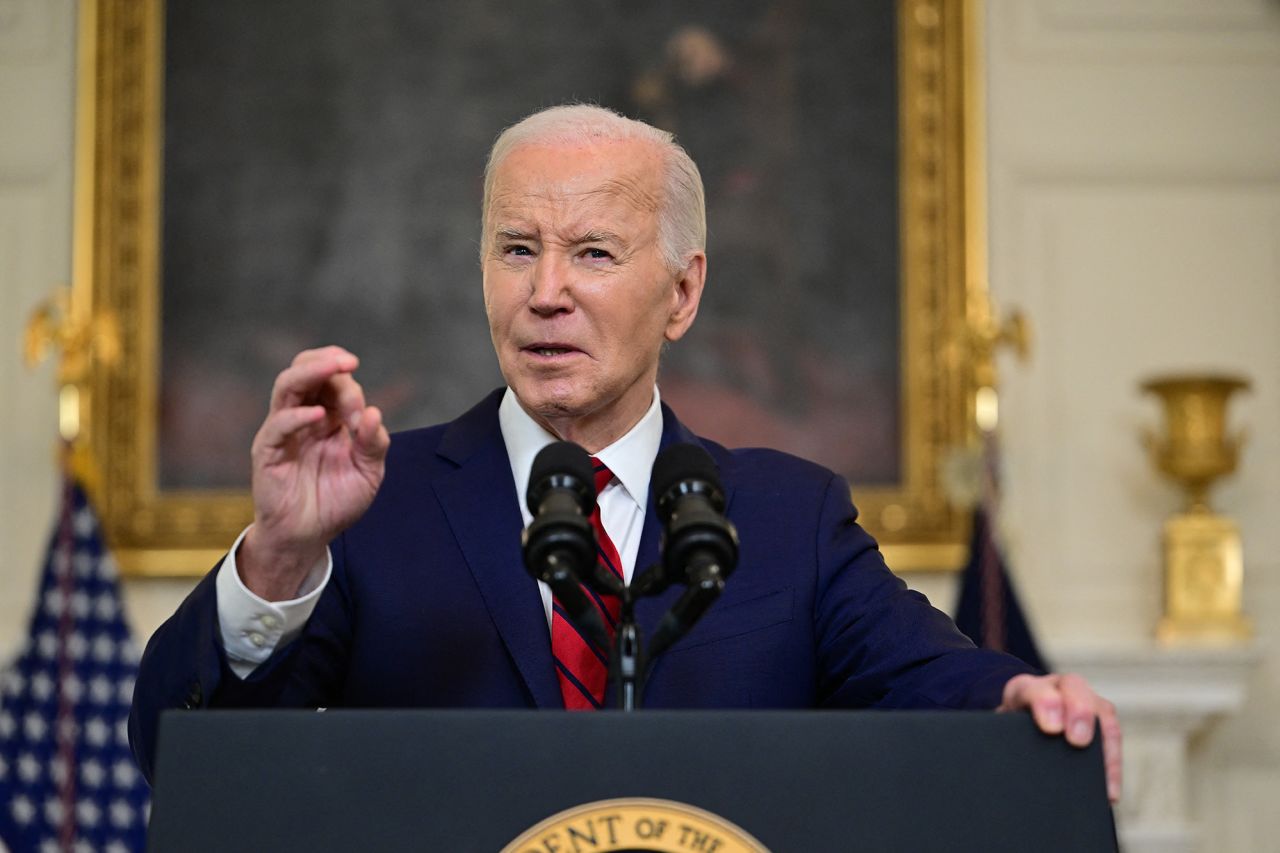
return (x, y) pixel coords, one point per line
(699, 545)
(559, 544)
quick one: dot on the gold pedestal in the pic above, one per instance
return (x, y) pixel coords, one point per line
(1203, 566)
(1204, 573)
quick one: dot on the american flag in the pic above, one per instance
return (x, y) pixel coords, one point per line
(68, 782)
(988, 610)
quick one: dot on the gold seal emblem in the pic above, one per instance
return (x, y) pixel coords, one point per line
(636, 824)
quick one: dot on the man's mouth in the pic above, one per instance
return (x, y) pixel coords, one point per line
(550, 350)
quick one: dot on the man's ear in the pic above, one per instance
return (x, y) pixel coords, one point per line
(685, 296)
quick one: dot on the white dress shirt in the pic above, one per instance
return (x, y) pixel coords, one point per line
(252, 627)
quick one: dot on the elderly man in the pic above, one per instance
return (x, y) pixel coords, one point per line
(381, 574)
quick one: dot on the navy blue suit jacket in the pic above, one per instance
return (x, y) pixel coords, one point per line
(430, 605)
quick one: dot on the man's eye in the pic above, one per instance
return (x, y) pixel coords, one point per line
(597, 254)
(522, 251)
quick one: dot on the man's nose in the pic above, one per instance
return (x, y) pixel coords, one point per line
(551, 284)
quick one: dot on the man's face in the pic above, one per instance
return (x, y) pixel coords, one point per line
(578, 296)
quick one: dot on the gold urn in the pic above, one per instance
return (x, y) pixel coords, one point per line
(1203, 561)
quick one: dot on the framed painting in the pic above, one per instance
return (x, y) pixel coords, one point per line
(255, 179)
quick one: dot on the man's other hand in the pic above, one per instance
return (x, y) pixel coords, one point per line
(1066, 705)
(318, 461)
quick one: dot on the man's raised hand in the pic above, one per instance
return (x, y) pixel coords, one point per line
(318, 460)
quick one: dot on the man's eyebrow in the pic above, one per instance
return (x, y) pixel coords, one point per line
(508, 232)
(597, 235)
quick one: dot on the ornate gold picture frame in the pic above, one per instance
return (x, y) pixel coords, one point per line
(118, 274)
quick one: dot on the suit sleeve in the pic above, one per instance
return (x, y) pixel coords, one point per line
(881, 644)
(185, 665)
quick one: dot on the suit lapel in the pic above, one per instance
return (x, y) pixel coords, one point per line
(479, 502)
(649, 611)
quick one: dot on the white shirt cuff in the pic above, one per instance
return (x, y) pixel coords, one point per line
(252, 627)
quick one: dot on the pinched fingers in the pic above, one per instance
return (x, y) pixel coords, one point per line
(322, 377)
(370, 436)
(346, 398)
(323, 354)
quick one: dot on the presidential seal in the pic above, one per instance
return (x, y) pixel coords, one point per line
(635, 825)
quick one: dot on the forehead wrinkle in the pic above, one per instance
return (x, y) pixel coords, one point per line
(571, 223)
(630, 190)
(627, 189)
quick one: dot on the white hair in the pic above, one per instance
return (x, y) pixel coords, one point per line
(682, 212)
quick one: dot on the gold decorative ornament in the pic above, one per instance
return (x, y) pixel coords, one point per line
(985, 336)
(1203, 560)
(85, 343)
(964, 470)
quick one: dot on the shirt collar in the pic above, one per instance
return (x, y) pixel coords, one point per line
(630, 458)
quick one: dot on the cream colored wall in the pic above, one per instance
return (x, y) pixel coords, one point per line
(1135, 214)
(1134, 194)
(36, 47)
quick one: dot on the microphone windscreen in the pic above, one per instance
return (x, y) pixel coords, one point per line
(682, 462)
(556, 465)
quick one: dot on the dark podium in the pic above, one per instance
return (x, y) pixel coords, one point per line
(478, 780)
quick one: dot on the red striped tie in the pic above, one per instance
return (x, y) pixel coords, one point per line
(582, 666)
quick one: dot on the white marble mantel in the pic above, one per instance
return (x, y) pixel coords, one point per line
(1165, 696)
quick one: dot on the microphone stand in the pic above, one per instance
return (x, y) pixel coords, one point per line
(627, 660)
